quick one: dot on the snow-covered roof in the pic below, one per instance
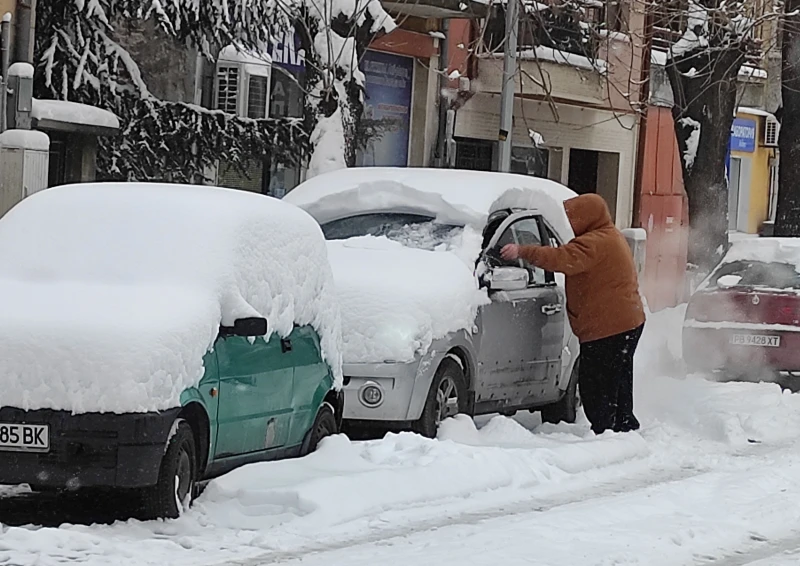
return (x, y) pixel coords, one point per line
(450, 195)
(110, 294)
(754, 112)
(51, 113)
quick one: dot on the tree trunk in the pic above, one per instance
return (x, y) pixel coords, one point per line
(787, 220)
(704, 89)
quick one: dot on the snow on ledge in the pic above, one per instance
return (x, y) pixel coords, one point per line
(22, 70)
(73, 113)
(25, 139)
(542, 53)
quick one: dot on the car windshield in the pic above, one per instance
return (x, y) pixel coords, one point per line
(757, 274)
(411, 230)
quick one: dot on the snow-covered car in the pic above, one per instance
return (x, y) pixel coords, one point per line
(744, 319)
(155, 336)
(424, 338)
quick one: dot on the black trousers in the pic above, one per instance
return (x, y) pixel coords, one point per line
(605, 381)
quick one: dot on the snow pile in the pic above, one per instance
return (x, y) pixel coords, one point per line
(113, 288)
(73, 113)
(692, 141)
(450, 196)
(397, 300)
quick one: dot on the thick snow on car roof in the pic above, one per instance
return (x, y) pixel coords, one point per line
(449, 195)
(110, 294)
(766, 250)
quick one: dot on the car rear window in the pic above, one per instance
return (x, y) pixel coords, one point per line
(757, 274)
(411, 230)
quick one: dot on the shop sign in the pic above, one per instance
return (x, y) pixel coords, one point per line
(743, 135)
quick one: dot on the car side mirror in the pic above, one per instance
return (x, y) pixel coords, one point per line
(247, 327)
(508, 279)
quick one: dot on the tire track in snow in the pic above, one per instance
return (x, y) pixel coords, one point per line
(757, 555)
(623, 485)
(533, 504)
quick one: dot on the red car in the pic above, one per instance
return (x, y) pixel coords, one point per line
(744, 320)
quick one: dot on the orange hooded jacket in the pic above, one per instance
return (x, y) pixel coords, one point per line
(601, 283)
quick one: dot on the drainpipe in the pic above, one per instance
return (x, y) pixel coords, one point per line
(440, 157)
(645, 98)
(5, 59)
(23, 38)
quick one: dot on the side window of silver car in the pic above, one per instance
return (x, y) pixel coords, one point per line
(525, 232)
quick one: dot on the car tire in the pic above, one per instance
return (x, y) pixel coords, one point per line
(324, 426)
(566, 408)
(449, 388)
(166, 499)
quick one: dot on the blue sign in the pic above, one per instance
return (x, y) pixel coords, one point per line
(743, 135)
(388, 82)
(288, 53)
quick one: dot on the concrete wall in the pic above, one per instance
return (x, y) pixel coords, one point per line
(168, 67)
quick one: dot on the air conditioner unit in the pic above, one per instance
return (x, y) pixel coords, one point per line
(772, 129)
(242, 84)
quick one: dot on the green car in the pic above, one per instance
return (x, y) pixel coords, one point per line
(158, 374)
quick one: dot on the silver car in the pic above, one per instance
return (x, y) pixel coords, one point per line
(520, 354)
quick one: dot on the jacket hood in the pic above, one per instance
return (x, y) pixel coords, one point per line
(587, 212)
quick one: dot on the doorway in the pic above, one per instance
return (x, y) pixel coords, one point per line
(595, 172)
(734, 187)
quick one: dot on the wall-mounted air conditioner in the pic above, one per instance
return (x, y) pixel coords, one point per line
(772, 129)
(242, 83)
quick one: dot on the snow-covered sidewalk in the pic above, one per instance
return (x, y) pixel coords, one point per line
(713, 470)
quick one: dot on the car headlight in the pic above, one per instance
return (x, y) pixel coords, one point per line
(371, 394)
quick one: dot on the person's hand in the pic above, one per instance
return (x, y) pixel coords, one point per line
(510, 252)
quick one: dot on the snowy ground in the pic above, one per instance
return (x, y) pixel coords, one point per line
(712, 478)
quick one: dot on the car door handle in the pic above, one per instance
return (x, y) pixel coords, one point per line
(286, 345)
(551, 309)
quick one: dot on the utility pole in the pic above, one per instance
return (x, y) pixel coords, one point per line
(5, 60)
(444, 65)
(23, 36)
(509, 84)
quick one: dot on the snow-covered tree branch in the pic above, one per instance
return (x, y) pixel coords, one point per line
(80, 58)
(715, 40)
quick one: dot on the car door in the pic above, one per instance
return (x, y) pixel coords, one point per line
(255, 394)
(521, 330)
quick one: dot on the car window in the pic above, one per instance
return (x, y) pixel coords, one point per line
(773, 275)
(524, 232)
(411, 230)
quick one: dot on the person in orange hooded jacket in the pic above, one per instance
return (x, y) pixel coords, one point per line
(604, 307)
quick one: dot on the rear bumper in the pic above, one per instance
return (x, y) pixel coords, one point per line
(710, 349)
(90, 450)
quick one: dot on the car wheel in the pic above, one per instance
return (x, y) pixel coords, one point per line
(176, 478)
(566, 409)
(324, 425)
(447, 398)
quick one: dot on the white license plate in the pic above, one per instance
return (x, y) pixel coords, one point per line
(24, 437)
(756, 340)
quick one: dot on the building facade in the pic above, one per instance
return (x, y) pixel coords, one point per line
(575, 118)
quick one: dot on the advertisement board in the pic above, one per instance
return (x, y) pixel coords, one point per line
(388, 84)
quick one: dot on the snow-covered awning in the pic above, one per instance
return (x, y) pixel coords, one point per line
(65, 116)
